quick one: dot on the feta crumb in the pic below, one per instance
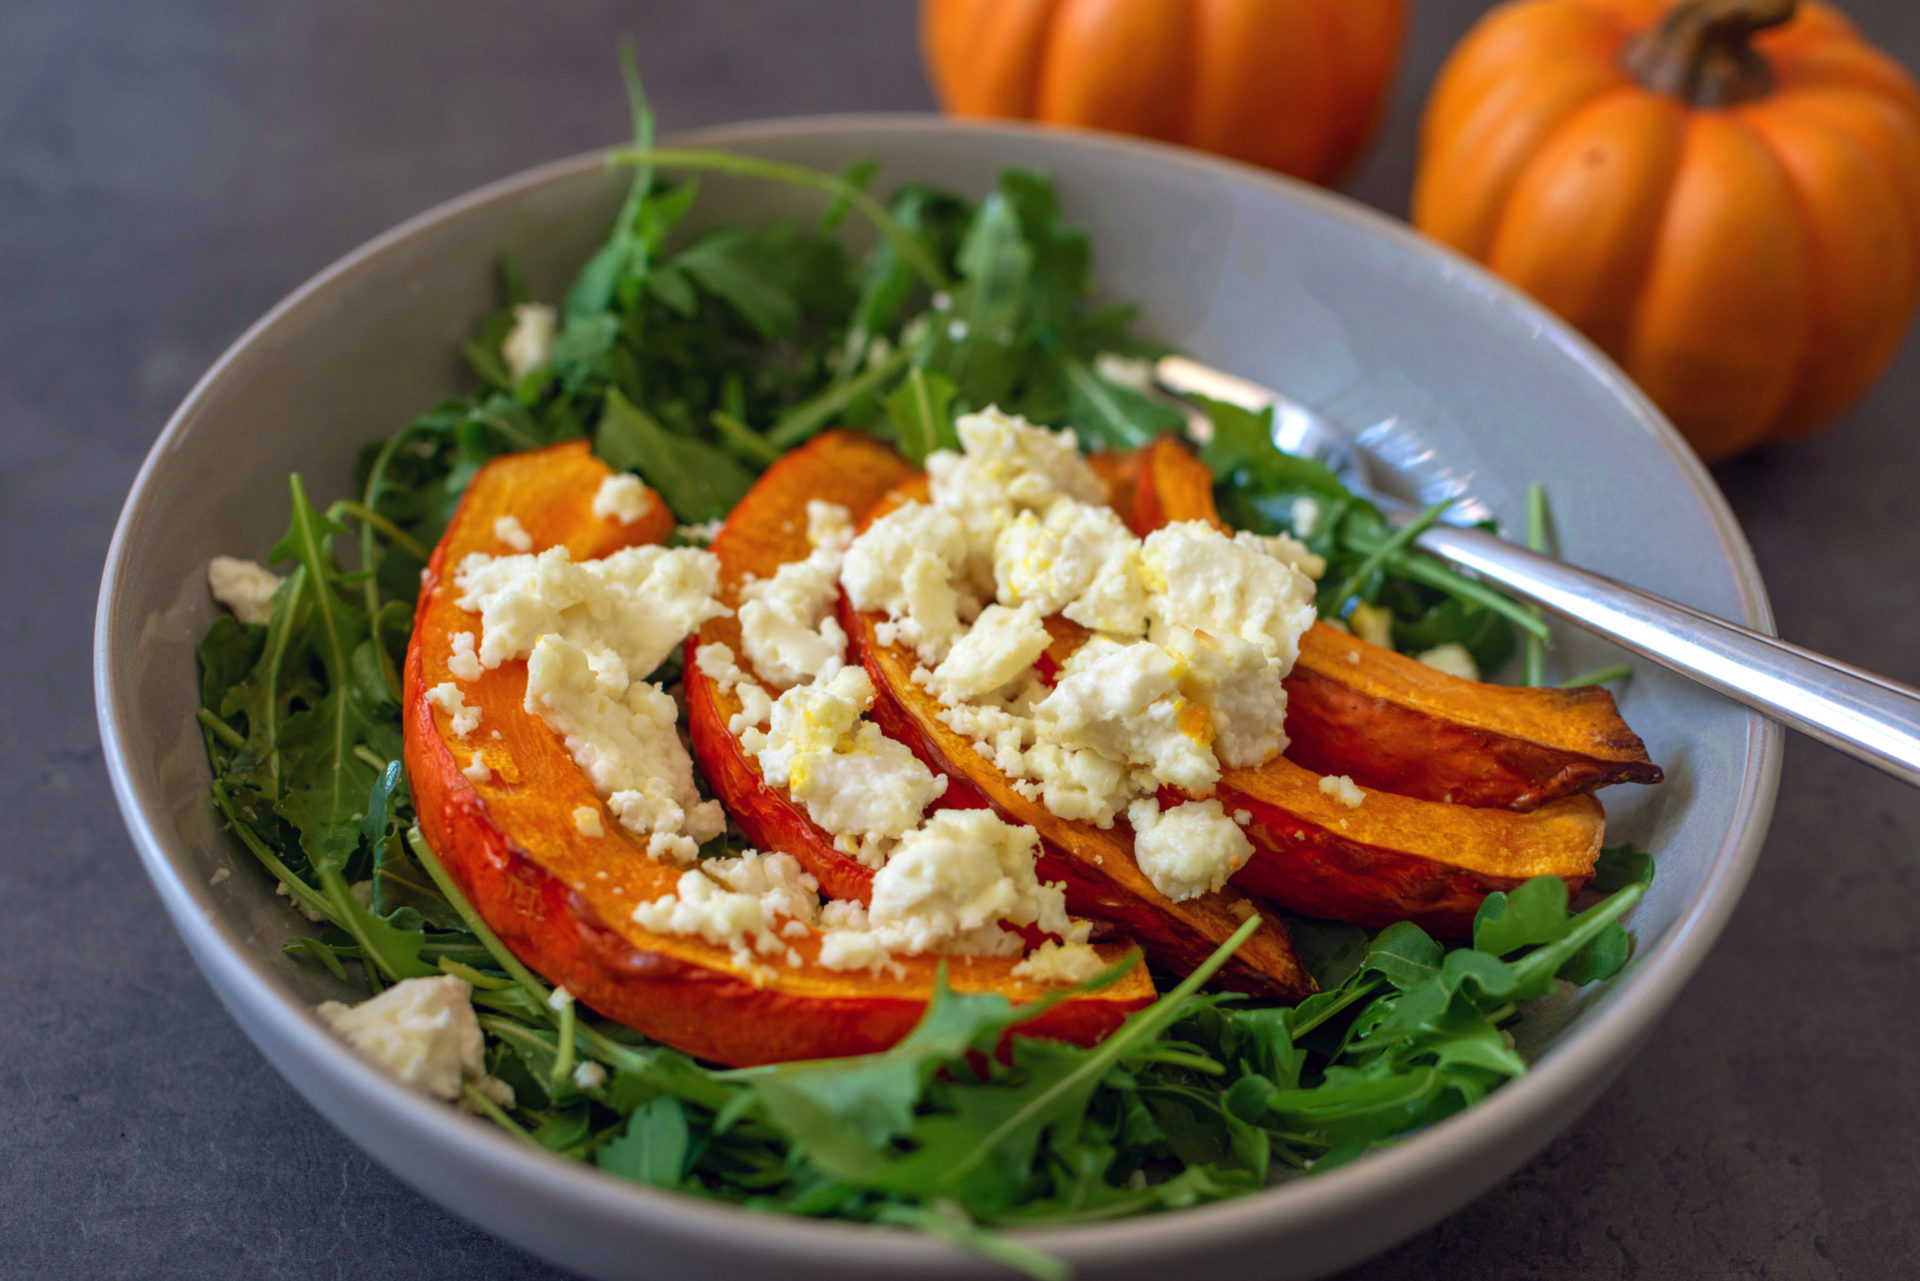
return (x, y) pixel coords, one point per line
(1053, 962)
(703, 532)
(463, 720)
(1343, 789)
(622, 497)
(1124, 702)
(510, 531)
(1002, 645)
(1372, 624)
(476, 770)
(904, 565)
(735, 903)
(1454, 659)
(463, 661)
(1243, 909)
(559, 999)
(1199, 579)
(422, 1031)
(1243, 817)
(588, 1075)
(220, 874)
(787, 627)
(1304, 516)
(1190, 849)
(285, 891)
(586, 821)
(529, 344)
(854, 781)
(1131, 372)
(243, 587)
(588, 631)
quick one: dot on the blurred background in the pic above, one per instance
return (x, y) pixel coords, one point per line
(171, 168)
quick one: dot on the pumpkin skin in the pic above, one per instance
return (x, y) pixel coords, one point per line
(1293, 85)
(1752, 260)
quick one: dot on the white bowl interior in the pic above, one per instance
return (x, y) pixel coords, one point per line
(1285, 285)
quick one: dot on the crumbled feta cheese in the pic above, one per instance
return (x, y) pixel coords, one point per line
(1199, 579)
(717, 664)
(1007, 466)
(1304, 516)
(624, 737)
(1343, 789)
(422, 1031)
(463, 720)
(1050, 562)
(464, 662)
(529, 344)
(624, 498)
(220, 875)
(1124, 702)
(948, 888)
(630, 609)
(786, 622)
(1190, 849)
(702, 532)
(510, 531)
(854, 781)
(285, 891)
(588, 1075)
(737, 903)
(1241, 690)
(1002, 645)
(1372, 624)
(1053, 962)
(586, 821)
(559, 999)
(477, 770)
(243, 587)
(1454, 659)
(903, 565)
(829, 525)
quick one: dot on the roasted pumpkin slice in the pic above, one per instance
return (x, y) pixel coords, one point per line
(1394, 723)
(768, 529)
(1096, 865)
(1391, 858)
(563, 898)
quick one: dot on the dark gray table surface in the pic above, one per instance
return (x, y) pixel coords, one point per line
(170, 168)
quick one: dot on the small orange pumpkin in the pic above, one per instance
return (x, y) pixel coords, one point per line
(1295, 85)
(1723, 194)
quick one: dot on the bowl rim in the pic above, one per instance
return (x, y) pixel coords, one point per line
(1605, 1038)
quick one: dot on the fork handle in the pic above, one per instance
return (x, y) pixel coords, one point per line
(1868, 717)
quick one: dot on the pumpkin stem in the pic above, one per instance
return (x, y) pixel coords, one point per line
(1702, 51)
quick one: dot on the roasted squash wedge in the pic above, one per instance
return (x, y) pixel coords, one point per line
(563, 900)
(1394, 723)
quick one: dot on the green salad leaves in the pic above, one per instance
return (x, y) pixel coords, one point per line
(696, 360)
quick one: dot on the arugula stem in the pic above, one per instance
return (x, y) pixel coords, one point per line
(296, 887)
(220, 729)
(563, 1054)
(477, 927)
(367, 516)
(1425, 569)
(1535, 651)
(904, 242)
(744, 438)
(1586, 927)
(1600, 676)
(811, 416)
(473, 977)
(1143, 1026)
(1399, 540)
(471, 1095)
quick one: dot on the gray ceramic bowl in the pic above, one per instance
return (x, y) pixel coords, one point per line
(1344, 309)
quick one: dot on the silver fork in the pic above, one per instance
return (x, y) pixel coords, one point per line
(1869, 717)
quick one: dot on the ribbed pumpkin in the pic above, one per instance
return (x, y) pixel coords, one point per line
(1723, 194)
(1295, 85)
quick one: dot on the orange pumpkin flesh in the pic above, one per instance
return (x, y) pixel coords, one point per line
(1733, 214)
(1096, 866)
(1294, 85)
(563, 900)
(1393, 723)
(765, 530)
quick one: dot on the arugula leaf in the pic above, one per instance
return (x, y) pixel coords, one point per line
(653, 1146)
(921, 412)
(698, 481)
